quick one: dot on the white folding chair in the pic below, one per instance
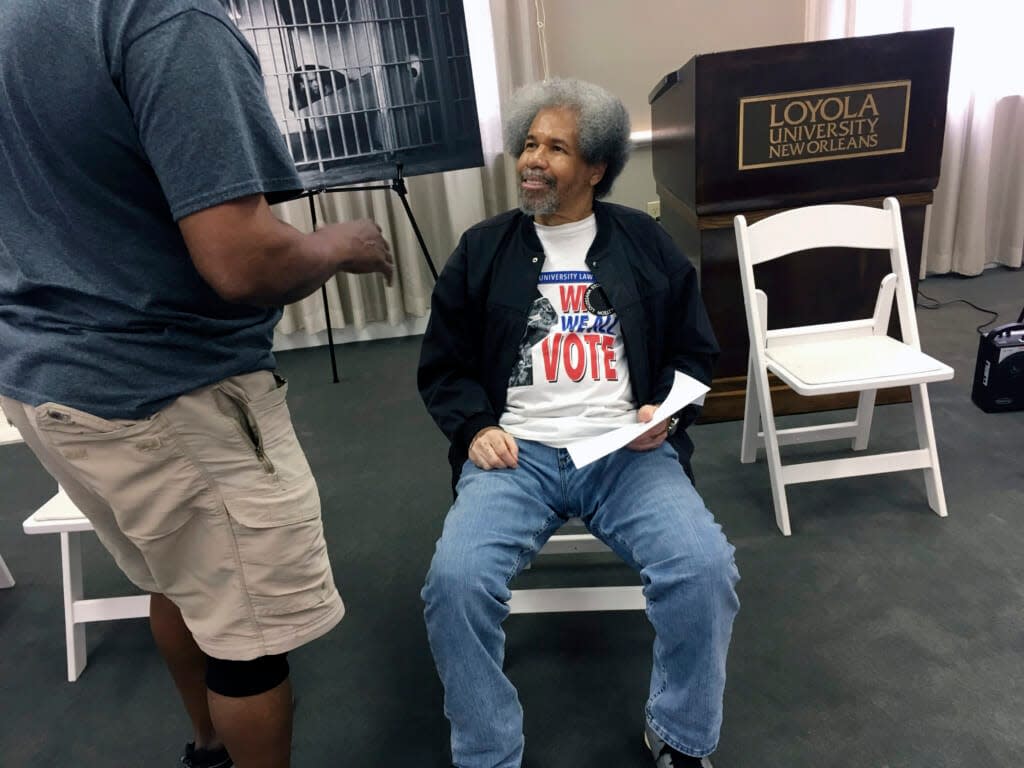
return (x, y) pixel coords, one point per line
(852, 356)
(573, 538)
(60, 515)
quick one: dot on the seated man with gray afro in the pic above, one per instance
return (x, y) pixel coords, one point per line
(511, 383)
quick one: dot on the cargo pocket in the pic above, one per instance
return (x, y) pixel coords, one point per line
(239, 410)
(285, 566)
(283, 490)
(278, 531)
(137, 468)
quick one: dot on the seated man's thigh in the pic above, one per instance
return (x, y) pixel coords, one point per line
(499, 521)
(645, 508)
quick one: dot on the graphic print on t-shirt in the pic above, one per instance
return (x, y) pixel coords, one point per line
(542, 318)
(571, 377)
(583, 344)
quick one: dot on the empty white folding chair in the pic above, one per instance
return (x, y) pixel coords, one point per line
(851, 356)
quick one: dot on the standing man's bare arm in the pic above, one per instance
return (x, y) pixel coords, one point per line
(248, 255)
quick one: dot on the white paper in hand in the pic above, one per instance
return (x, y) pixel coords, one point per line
(685, 390)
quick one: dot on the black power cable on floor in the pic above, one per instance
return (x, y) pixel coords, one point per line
(936, 304)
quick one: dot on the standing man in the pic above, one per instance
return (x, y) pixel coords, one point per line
(559, 321)
(140, 268)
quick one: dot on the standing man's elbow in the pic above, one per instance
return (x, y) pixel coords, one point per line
(237, 290)
(229, 244)
(232, 277)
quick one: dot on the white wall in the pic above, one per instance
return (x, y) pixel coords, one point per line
(627, 46)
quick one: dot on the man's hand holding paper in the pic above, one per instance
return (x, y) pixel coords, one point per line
(685, 390)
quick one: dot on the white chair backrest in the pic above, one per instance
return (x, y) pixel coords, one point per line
(819, 226)
(826, 226)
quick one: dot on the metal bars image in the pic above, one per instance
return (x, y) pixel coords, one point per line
(361, 86)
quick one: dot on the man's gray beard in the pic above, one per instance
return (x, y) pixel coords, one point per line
(540, 204)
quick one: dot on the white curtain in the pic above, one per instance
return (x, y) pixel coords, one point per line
(505, 55)
(977, 218)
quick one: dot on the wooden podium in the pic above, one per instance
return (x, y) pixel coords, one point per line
(766, 129)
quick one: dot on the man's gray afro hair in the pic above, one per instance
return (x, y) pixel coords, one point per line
(602, 122)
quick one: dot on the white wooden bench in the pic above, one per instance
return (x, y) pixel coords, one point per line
(59, 515)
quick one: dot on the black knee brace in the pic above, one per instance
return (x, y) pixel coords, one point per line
(237, 679)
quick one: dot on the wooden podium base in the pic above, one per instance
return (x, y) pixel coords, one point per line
(727, 396)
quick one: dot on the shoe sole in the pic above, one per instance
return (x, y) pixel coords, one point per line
(705, 762)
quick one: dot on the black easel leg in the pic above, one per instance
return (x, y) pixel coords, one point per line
(398, 185)
(416, 229)
(323, 294)
(330, 334)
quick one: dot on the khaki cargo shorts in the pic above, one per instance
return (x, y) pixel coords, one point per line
(210, 502)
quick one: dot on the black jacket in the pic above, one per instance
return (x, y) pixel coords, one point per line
(482, 297)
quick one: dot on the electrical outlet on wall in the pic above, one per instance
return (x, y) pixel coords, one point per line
(654, 209)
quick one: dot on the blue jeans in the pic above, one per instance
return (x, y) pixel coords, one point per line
(645, 508)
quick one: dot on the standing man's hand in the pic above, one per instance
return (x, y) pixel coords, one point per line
(654, 436)
(361, 247)
(494, 448)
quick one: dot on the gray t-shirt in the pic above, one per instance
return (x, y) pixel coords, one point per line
(118, 118)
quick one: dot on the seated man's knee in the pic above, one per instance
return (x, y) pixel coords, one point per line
(458, 575)
(718, 565)
(712, 562)
(238, 679)
(722, 563)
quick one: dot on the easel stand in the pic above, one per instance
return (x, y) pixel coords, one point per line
(397, 186)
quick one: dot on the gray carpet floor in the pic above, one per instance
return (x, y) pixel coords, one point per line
(877, 636)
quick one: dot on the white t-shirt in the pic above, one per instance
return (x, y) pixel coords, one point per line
(571, 379)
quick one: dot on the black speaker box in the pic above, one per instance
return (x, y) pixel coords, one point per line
(999, 372)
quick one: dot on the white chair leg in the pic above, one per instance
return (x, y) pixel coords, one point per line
(71, 570)
(771, 446)
(926, 440)
(751, 417)
(6, 580)
(865, 410)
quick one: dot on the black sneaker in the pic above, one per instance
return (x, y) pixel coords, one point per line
(205, 758)
(666, 757)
